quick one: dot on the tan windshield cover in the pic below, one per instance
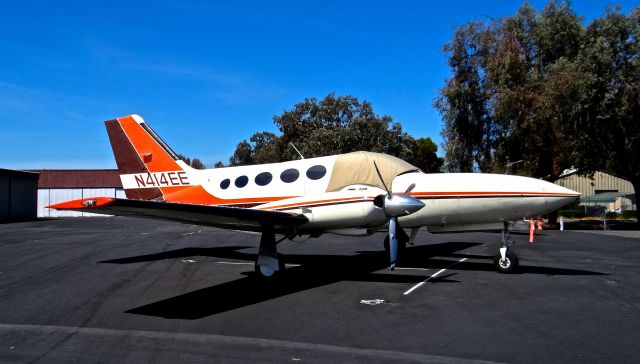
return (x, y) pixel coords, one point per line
(357, 169)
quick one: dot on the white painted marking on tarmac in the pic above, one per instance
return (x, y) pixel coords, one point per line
(236, 263)
(409, 268)
(248, 263)
(432, 276)
(373, 302)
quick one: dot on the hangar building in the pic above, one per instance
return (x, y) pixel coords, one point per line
(18, 195)
(60, 185)
(617, 193)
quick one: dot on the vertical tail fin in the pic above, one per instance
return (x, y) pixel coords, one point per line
(148, 168)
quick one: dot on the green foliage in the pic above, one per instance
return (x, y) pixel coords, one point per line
(572, 214)
(195, 163)
(424, 156)
(243, 154)
(629, 214)
(334, 125)
(543, 88)
(611, 215)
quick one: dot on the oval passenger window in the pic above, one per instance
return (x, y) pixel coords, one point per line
(241, 181)
(289, 175)
(225, 184)
(263, 179)
(316, 172)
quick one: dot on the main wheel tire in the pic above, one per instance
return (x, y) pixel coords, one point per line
(507, 265)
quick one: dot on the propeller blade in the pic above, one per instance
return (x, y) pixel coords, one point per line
(382, 180)
(393, 241)
(410, 188)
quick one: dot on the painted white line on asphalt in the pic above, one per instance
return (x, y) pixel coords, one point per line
(433, 276)
(247, 263)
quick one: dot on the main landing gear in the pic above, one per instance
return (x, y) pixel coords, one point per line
(269, 262)
(506, 261)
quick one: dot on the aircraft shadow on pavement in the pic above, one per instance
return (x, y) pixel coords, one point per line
(313, 271)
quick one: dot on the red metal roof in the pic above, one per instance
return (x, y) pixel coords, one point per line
(78, 178)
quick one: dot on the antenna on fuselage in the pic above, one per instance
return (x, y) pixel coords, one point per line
(297, 151)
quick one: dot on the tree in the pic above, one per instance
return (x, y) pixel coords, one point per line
(463, 102)
(337, 125)
(265, 147)
(333, 125)
(243, 154)
(543, 88)
(424, 156)
(611, 111)
(195, 163)
(515, 93)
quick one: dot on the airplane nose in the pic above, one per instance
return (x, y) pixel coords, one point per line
(568, 194)
(557, 196)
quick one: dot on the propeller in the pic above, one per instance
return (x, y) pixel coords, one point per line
(395, 206)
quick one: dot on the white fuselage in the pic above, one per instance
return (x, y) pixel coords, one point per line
(453, 201)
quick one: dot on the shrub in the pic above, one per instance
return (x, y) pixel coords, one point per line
(629, 214)
(571, 213)
(612, 215)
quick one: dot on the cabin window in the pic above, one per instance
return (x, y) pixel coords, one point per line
(225, 183)
(241, 181)
(289, 175)
(316, 172)
(263, 179)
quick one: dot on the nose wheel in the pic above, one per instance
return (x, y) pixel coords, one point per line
(506, 264)
(506, 261)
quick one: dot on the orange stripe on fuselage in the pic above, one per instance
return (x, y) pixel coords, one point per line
(198, 195)
(316, 202)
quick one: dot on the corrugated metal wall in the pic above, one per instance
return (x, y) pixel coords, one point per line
(600, 182)
(48, 196)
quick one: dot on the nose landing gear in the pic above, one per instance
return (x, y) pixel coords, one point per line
(506, 261)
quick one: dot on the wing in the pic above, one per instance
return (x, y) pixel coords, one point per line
(222, 217)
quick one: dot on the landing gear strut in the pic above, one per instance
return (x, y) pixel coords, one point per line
(506, 261)
(269, 262)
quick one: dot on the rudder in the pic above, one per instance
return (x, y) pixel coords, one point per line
(148, 167)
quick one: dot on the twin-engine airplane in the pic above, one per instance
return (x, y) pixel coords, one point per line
(356, 193)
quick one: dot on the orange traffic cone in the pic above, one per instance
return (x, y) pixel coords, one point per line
(532, 229)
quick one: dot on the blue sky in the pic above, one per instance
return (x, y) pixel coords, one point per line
(206, 75)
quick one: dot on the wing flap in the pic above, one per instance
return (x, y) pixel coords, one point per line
(218, 216)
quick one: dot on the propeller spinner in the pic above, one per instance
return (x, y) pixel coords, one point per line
(395, 206)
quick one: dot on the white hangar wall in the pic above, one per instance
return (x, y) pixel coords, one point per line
(49, 196)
